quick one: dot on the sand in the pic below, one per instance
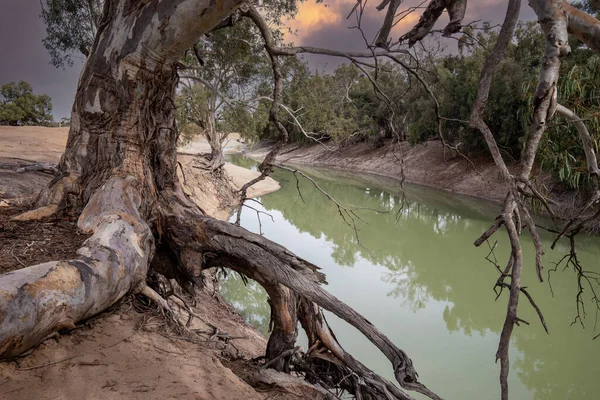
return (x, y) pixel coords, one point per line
(424, 164)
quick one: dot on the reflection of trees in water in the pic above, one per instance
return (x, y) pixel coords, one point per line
(428, 254)
(382, 236)
(241, 161)
(414, 296)
(249, 300)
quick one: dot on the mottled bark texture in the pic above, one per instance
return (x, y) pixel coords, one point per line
(120, 156)
(119, 173)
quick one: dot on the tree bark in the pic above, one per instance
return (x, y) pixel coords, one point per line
(36, 301)
(120, 158)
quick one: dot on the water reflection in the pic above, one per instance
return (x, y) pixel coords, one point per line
(416, 275)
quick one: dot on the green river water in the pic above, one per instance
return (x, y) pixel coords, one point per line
(417, 276)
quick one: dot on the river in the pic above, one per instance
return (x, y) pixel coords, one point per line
(414, 273)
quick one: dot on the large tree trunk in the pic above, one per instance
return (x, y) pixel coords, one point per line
(120, 157)
(119, 171)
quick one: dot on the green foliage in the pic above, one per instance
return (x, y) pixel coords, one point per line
(345, 106)
(560, 150)
(71, 27)
(20, 106)
(342, 106)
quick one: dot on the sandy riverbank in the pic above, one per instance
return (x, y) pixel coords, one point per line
(124, 353)
(47, 144)
(425, 164)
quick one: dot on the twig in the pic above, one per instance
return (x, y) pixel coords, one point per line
(50, 364)
(15, 257)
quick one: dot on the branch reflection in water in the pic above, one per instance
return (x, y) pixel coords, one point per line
(422, 282)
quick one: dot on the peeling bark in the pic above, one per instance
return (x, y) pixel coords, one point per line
(123, 116)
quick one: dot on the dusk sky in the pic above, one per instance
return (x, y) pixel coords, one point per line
(23, 57)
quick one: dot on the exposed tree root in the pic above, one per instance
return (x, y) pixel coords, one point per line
(37, 213)
(45, 298)
(269, 380)
(293, 285)
(48, 297)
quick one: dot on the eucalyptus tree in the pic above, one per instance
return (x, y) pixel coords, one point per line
(224, 68)
(119, 173)
(20, 106)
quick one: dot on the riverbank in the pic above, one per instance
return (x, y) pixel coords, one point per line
(430, 165)
(427, 164)
(128, 352)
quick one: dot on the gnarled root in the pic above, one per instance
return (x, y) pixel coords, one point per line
(290, 281)
(48, 297)
(44, 298)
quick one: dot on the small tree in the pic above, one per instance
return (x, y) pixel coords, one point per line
(224, 69)
(20, 106)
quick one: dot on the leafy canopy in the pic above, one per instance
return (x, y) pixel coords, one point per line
(71, 27)
(20, 106)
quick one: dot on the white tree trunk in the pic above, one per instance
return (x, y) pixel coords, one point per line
(36, 301)
(121, 153)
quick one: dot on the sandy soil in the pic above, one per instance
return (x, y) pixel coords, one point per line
(423, 164)
(127, 353)
(33, 142)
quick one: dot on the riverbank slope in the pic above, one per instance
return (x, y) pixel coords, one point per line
(427, 164)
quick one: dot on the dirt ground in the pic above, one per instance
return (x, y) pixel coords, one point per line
(233, 144)
(129, 352)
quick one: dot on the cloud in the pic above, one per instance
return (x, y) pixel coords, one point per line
(313, 15)
(317, 24)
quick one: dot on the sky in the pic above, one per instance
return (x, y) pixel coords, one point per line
(23, 57)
